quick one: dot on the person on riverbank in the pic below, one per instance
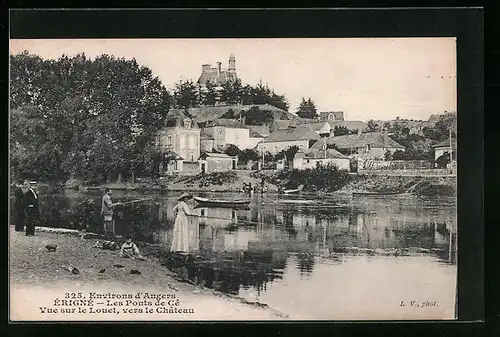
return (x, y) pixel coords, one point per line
(19, 211)
(107, 207)
(129, 249)
(31, 208)
(183, 218)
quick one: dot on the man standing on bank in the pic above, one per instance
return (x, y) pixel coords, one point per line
(107, 212)
(31, 208)
(19, 206)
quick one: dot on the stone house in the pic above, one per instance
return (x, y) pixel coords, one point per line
(216, 162)
(280, 140)
(178, 142)
(207, 142)
(229, 131)
(443, 147)
(369, 145)
(311, 158)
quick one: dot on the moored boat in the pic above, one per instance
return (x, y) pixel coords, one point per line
(222, 203)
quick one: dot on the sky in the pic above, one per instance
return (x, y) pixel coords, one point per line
(367, 78)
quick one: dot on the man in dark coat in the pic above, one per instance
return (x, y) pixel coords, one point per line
(19, 207)
(31, 207)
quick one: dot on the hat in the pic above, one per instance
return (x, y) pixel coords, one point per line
(185, 195)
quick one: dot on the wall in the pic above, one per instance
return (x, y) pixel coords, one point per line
(253, 142)
(238, 137)
(304, 163)
(190, 168)
(275, 147)
(412, 172)
(218, 134)
(206, 145)
(219, 164)
(184, 142)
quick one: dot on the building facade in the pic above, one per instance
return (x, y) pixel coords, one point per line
(229, 131)
(280, 140)
(183, 138)
(311, 159)
(216, 162)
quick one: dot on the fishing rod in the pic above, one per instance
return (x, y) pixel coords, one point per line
(132, 201)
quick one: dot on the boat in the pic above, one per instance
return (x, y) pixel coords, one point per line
(375, 193)
(222, 203)
(295, 190)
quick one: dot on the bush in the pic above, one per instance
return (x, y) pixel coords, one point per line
(322, 178)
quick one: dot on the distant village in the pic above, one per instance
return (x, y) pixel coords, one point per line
(196, 140)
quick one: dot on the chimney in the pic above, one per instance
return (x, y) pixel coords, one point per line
(218, 69)
(386, 138)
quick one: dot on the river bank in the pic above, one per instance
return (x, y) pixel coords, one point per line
(234, 181)
(38, 276)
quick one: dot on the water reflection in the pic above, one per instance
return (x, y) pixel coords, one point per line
(238, 250)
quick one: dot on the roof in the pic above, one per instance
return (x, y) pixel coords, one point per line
(351, 125)
(316, 126)
(262, 130)
(228, 123)
(255, 134)
(374, 139)
(324, 114)
(446, 143)
(215, 155)
(290, 135)
(173, 155)
(210, 113)
(283, 124)
(315, 153)
(204, 135)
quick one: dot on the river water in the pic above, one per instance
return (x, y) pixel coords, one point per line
(335, 257)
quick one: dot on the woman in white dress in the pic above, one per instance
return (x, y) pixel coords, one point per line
(180, 240)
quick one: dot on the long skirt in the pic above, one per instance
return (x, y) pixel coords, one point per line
(185, 236)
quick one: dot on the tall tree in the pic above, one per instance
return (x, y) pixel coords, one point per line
(307, 109)
(231, 92)
(186, 94)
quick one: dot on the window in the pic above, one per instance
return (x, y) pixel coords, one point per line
(169, 140)
(307, 161)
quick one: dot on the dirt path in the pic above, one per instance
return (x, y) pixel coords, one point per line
(38, 276)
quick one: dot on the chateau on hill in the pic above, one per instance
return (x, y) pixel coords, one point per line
(217, 75)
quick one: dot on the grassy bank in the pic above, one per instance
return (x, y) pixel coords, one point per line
(32, 266)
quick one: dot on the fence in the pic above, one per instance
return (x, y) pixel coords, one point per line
(410, 172)
(396, 165)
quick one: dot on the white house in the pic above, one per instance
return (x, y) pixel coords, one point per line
(229, 131)
(280, 140)
(312, 158)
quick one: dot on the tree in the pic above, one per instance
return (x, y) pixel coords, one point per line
(307, 109)
(231, 92)
(340, 130)
(208, 94)
(372, 126)
(95, 117)
(229, 114)
(255, 116)
(232, 150)
(387, 155)
(186, 94)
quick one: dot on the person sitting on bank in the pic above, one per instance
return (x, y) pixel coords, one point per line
(129, 250)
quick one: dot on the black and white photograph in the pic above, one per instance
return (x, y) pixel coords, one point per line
(233, 179)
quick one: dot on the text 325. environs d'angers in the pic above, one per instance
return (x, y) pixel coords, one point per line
(114, 303)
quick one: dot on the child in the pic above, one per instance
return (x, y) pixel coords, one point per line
(130, 250)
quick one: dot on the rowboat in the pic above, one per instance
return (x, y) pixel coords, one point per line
(375, 193)
(295, 190)
(222, 203)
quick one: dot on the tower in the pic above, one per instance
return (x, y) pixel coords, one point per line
(232, 63)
